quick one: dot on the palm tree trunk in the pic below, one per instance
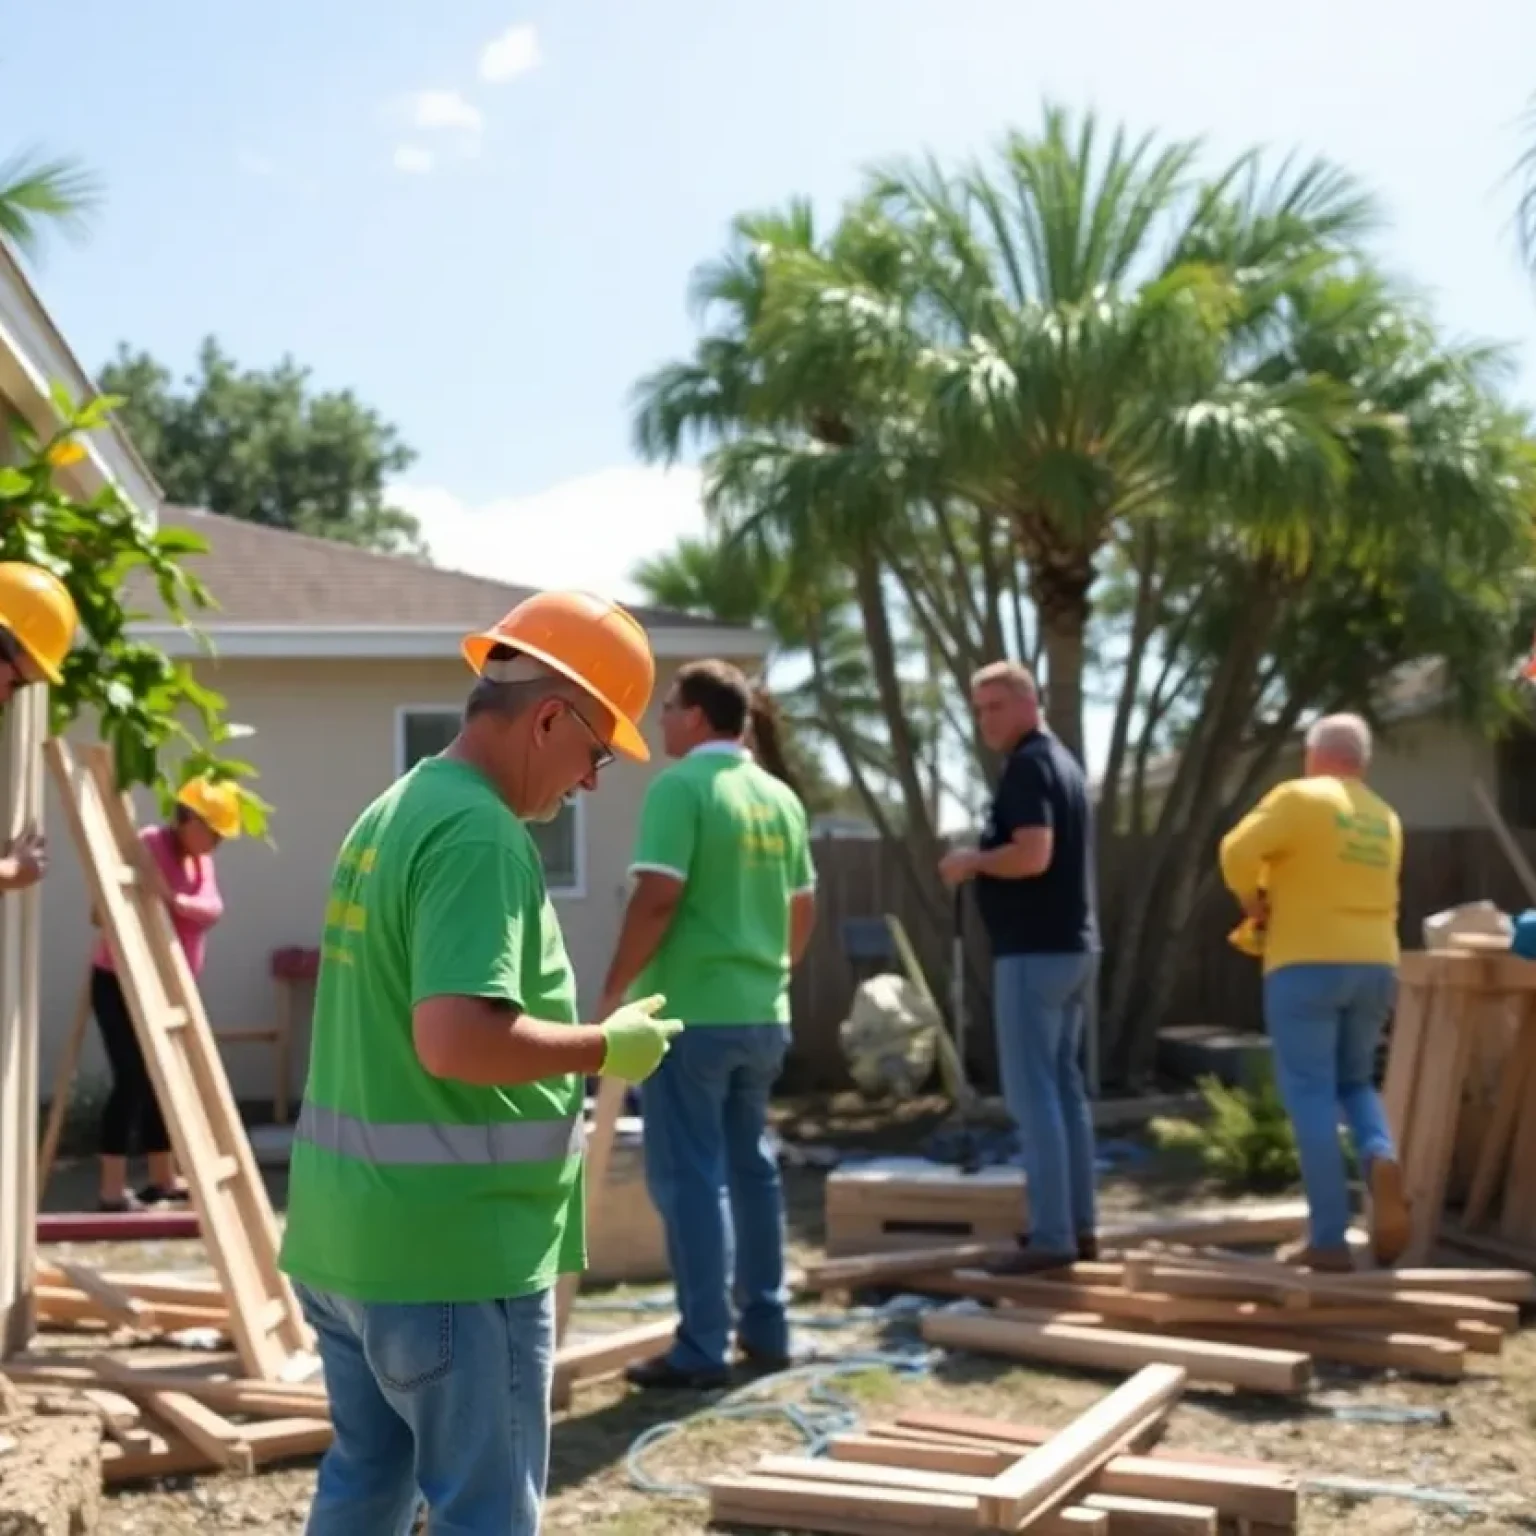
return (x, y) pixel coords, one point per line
(1060, 578)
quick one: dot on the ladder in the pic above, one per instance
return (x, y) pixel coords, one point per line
(186, 1069)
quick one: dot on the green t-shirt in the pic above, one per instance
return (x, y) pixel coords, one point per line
(737, 839)
(406, 1187)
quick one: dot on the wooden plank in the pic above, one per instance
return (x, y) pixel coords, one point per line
(599, 1151)
(1515, 1100)
(1416, 1354)
(1253, 1491)
(1274, 1222)
(1426, 1154)
(64, 1079)
(1405, 1052)
(136, 1382)
(819, 1503)
(606, 1353)
(167, 1455)
(1153, 1517)
(883, 1268)
(873, 1450)
(1037, 1481)
(1256, 1370)
(190, 1081)
(1517, 1219)
(116, 1304)
(23, 725)
(218, 1439)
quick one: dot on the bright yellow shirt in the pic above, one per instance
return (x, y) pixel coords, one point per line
(1328, 852)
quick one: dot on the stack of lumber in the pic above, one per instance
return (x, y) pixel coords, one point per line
(182, 1411)
(1227, 1319)
(169, 1411)
(1460, 1094)
(950, 1472)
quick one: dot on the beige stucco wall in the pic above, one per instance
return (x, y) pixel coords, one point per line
(325, 745)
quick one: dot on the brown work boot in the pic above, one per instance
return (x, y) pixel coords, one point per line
(1391, 1222)
(1322, 1261)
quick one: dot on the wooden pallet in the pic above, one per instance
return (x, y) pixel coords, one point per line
(1460, 1095)
(910, 1203)
(188, 1073)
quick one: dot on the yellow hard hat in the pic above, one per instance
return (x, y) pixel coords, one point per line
(35, 606)
(598, 645)
(216, 802)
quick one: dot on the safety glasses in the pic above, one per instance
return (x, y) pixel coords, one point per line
(602, 753)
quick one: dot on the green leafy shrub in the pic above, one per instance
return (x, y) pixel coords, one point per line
(162, 725)
(1244, 1141)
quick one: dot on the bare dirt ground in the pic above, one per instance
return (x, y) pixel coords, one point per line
(1487, 1448)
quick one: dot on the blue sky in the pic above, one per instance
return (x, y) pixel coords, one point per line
(482, 216)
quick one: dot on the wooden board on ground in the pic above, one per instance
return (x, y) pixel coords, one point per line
(934, 1472)
(184, 1064)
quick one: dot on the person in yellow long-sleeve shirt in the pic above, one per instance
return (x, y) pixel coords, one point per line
(1316, 864)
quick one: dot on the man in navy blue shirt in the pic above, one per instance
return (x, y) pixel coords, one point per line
(1034, 876)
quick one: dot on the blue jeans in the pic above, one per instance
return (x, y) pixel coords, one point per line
(447, 1402)
(715, 1182)
(1041, 1008)
(1325, 1023)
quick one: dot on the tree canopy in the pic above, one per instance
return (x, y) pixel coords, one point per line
(1093, 401)
(266, 446)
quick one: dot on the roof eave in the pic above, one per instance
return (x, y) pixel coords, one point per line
(34, 354)
(393, 642)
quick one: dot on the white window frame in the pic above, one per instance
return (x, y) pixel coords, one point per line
(577, 890)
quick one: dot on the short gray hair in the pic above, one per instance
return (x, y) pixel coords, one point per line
(1013, 675)
(1344, 738)
(511, 684)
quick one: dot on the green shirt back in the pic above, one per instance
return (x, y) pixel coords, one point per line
(404, 1186)
(738, 840)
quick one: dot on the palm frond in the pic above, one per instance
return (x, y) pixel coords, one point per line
(38, 194)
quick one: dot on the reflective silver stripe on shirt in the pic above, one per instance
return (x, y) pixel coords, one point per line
(506, 1141)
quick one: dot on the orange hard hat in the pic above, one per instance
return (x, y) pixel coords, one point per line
(598, 645)
(35, 606)
(216, 802)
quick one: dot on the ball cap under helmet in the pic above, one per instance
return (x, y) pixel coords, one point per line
(598, 645)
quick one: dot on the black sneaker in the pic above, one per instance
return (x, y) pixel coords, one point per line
(155, 1194)
(121, 1207)
(660, 1374)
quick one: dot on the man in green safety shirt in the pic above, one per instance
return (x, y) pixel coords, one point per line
(722, 910)
(436, 1190)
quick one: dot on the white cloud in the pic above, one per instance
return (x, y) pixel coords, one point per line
(413, 159)
(514, 53)
(588, 532)
(254, 164)
(445, 109)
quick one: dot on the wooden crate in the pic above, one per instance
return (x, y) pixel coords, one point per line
(625, 1238)
(908, 1202)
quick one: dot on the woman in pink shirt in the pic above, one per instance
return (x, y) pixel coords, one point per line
(177, 863)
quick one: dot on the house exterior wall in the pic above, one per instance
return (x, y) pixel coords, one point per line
(325, 742)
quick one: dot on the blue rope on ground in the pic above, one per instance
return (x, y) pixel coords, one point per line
(824, 1412)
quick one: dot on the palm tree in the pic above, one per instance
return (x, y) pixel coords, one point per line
(1079, 308)
(38, 193)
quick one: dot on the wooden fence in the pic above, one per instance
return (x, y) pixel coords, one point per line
(1216, 985)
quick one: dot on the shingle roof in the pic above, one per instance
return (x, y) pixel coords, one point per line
(270, 576)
